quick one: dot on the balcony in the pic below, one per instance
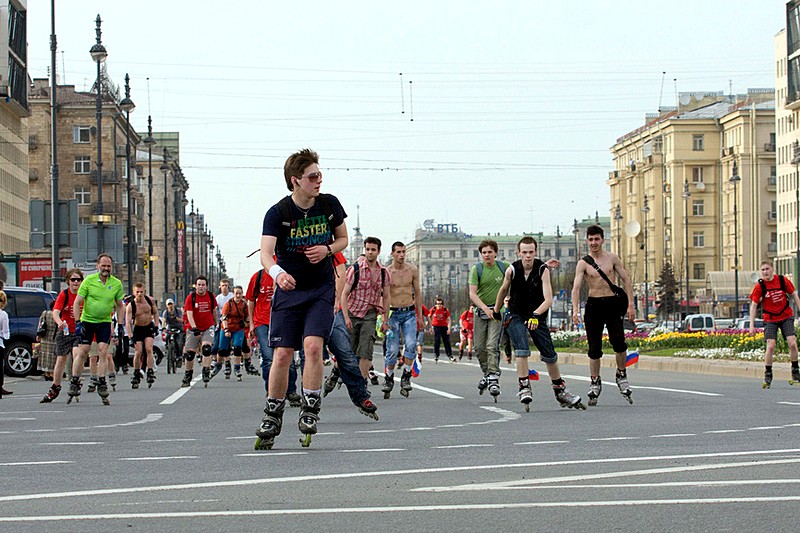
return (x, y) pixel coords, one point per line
(772, 218)
(772, 248)
(772, 183)
(769, 147)
(110, 177)
(109, 208)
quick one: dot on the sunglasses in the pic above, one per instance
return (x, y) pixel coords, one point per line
(75, 279)
(314, 176)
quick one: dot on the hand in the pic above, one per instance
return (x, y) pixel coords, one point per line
(631, 312)
(349, 323)
(285, 281)
(533, 322)
(196, 332)
(576, 318)
(315, 254)
(552, 263)
(227, 333)
(496, 315)
(78, 329)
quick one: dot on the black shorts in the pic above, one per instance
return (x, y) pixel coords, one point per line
(140, 333)
(602, 312)
(99, 332)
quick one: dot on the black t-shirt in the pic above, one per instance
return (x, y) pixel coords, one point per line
(304, 230)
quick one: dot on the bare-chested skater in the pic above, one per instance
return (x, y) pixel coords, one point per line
(140, 322)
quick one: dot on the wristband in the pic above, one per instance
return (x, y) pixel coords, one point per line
(275, 271)
(330, 252)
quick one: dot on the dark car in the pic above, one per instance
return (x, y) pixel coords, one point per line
(24, 308)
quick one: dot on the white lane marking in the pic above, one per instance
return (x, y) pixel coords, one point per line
(42, 430)
(238, 438)
(152, 417)
(726, 431)
(30, 412)
(374, 450)
(131, 504)
(613, 438)
(418, 429)
(378, 431)
(541, 442)
(789, 403)
(725, 483)
(668, 435)
(17, 419)
(33, 463)
(68, 443)
(398, 509)
(517, 484)
(452, 446)
(427, 389)
(382, 473)
(329, 433)
(269, 454)
(175, 396)
(168, 440)
(157, 458)
(637, 387)
(762, 428)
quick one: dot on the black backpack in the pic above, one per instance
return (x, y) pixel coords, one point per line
(764, 292)
(357, 275)
(149, 302)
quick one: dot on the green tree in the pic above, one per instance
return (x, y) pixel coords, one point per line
(667, 287)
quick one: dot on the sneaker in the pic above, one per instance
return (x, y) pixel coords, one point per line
(567, 399)
(595, 388)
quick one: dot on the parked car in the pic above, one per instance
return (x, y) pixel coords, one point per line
(744, 323)
(725, 323)
(699, 322)
(24, 307)
(671, 325)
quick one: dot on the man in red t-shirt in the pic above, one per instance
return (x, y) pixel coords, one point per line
(467, 320)
(440, 320)
(772, 292)
(201, 312)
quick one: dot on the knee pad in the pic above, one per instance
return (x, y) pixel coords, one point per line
(224, 353)
(188, 356)
(237, 351)
(206, 350)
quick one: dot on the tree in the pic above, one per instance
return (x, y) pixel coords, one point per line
(667, 287)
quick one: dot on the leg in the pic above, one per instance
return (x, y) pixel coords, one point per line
(348, 364)
(279, 372)
(494, 328)
(262, 336)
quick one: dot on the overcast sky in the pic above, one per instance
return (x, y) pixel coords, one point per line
(501, 121)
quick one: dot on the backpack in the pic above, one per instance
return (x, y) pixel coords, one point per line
(257, 288)
(147, 299)
(764, 291)
(497, 262)
(357, 275)
(65, 292)
(194, 299)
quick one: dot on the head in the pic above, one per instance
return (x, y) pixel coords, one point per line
(438, 302)
(138, 291)
(238, 293)
(301, 171)
(526, 250)
(201, 285)
(595, 237)
(104, 265)
(224, 286)
(74, 278)
(3, 299)
(767, 269)
(372, 247)
(170, 305)
(399, 252)
(488, 250)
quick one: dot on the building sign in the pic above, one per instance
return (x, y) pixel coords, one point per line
(31, 272)
(181, 244)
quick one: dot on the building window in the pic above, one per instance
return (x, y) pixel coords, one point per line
(463, 253)
(427, 254)
(81, 134)
(698, 239)
(697, 174)
(698, 143)
(699, 271)
(83, 195)
(475, 254)
(83, 164)
(698, 208)
(452, 254)
(658, 145)
(84, 221)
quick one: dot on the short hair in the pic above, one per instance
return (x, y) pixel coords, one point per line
(3, 299)
(99, 257)
(594, 229)
(527, 239)
(296, 163)
(439, 299)
(397, 244)
(73, 271)
(224, 280)
(487, 242)
(238, 287)
(139, 285)
(766, 262)
(373, 240)
(198, 278)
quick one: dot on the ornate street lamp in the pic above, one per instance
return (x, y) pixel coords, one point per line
(99, 55)
(735, 179)
(126, 104)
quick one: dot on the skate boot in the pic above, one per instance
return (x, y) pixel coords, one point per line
(227, 370)
(330, 382)
(207, 376)
(482, 384)
(595, 388)
(151, 377)
(388, 385)
(366, 407)
(215, 368)
(405, 383)
(452, 359)
(187, 378)
(136, 378)
(74, 389)
(93, 380)
(52, 394)
(249, 368)
(309, 416)
(270, 424)
(566, 398)
(624, 386)
(112, 380)
(373, 377)
(294, 399)
(102, 391)
(237, 370)
(795, 376)
(493, 384)
(767, 379)
(525, 394)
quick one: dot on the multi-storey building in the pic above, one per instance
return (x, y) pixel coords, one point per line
(695, 187)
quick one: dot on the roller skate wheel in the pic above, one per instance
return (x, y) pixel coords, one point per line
(592, 402)
(628, 397)
(792, 382)
(527, 408)
(580, 406)
(205, 384)
(149, 385)
(404, 393)
(263, 444)
(114, 387)
(305, 440)
(386, 395)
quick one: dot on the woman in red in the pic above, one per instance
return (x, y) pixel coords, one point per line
(440, 320)
(467, 320)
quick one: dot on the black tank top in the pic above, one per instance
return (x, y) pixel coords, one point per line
(526, 294)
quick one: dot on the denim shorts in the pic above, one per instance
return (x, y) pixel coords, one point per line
(518, 333)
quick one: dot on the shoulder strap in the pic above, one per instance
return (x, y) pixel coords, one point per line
(356, 274)
(763, 286)
(783, 282)
(589, 259)
(194, 300)
(133, 306)
(257, 288)
(149, 302)
(284, 210)
(501, 265)
(65, 292)
(480, 271)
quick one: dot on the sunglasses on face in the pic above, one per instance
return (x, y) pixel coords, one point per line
(75, 279)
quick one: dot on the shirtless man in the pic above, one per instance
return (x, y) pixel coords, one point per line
(140, 324)
(406, 317)
(601, 310)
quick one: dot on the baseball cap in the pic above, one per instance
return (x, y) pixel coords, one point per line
(170, 301)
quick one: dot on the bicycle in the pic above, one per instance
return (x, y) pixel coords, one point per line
(174, 359)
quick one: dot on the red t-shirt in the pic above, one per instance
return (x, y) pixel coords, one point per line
(66, 310)
(439, 316)
(262, 296)
(202, 311)
(775, 301)
(467, 320)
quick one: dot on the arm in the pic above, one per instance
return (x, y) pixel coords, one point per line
(190, 319)
(57, 317)
(417, 299)
(251, 306)
(547, 289)
(552, 263)
(284, 280)
(628, 287)
(343, 303)
(120, 309)
(225, 311)
(128, 320)
(387, 303)
(76, 308)
(576, 293)
(154, 313)
(315, 254)
(473, 297)
(753, 308)
(501, 295)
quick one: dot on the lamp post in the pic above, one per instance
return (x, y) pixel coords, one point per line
(55, 273)
(165, 170)
(192, 217)
(686, 194)
(99, 55)
(735, 179)
(796, 163)
(645, 210)
(183, 266)
(126, 104)
(617, 218)
(149, 141)
(558, 257)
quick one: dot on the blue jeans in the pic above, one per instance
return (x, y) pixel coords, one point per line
(262, 334)
(518, 333)
(339, 345)
(405, 321)
(236, 340)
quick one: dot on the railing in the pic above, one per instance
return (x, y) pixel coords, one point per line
(108, 177)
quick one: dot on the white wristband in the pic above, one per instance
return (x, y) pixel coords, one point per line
(275, 271)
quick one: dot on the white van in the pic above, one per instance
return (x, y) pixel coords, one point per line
(701, 322)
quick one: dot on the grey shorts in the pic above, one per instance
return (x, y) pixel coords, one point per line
(786, 326)
(193, 341)
(363, 335)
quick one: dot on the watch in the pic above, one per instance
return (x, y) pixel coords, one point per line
(330, 252)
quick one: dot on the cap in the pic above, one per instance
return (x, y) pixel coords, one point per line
(170, 301)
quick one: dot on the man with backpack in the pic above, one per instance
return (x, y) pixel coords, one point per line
(772, 291)
(200, 312)
(140, 324)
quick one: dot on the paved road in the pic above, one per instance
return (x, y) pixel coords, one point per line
(693, 452)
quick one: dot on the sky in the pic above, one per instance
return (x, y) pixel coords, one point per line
(495, 116)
